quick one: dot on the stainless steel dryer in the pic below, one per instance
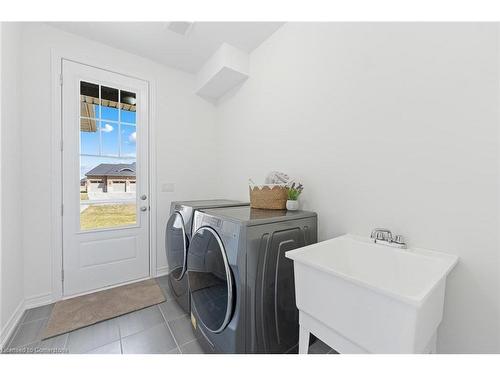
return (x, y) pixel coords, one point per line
(177, 237)
(242, 286)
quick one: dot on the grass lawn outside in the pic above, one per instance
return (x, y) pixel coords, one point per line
(84, 197)
(107, 216)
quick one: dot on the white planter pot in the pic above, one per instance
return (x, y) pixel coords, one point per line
(292, 205)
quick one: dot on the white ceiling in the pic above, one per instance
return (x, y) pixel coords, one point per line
(156, 42)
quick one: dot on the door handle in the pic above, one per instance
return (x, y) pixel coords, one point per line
(144, 208)
(144, 197)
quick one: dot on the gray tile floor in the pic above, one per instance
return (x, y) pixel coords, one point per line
(163, 328)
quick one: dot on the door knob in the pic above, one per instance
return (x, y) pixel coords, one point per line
(144, 208)
(144, 197)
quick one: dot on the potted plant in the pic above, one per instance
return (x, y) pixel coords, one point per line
(294, 192)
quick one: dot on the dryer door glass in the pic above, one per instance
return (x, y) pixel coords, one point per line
(210, 279)
(176, 244)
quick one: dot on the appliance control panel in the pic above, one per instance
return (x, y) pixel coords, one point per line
(213, 222)
(201, 219)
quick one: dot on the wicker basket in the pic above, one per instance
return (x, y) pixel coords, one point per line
(269, 197)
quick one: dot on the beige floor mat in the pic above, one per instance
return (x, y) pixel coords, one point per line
(83, 311)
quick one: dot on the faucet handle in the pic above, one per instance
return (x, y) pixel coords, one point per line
(381, 234)
(399, 239)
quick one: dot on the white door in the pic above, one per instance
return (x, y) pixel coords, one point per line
(105, 137)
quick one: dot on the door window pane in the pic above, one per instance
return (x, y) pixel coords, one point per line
(109, 103)
(89, 89)
(89, 100)
(109, 139)
(128, 107)
(109, 113)
(107, 192)
(107, 158)
(128, 117)
(107, 215)
(128, 140)
(89, 137)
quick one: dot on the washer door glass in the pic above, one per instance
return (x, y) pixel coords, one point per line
(176, 245)
(210, 280)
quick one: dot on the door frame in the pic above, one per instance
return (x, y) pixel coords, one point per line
(56, 235)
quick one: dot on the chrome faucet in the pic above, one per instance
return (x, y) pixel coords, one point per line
(385, 237)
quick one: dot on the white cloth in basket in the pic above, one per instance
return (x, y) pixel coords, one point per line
(278, 178)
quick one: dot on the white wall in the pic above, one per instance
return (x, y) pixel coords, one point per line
(11, 281)
(392, 125)
(183, 137)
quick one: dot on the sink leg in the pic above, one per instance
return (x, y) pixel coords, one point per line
(303, 340)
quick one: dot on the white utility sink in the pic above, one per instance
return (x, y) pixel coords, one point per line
(362, 297)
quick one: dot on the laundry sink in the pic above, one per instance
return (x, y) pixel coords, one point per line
(363, 297)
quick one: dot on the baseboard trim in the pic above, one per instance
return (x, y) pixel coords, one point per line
(39, 300)
(161, 271)
(9, 329)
